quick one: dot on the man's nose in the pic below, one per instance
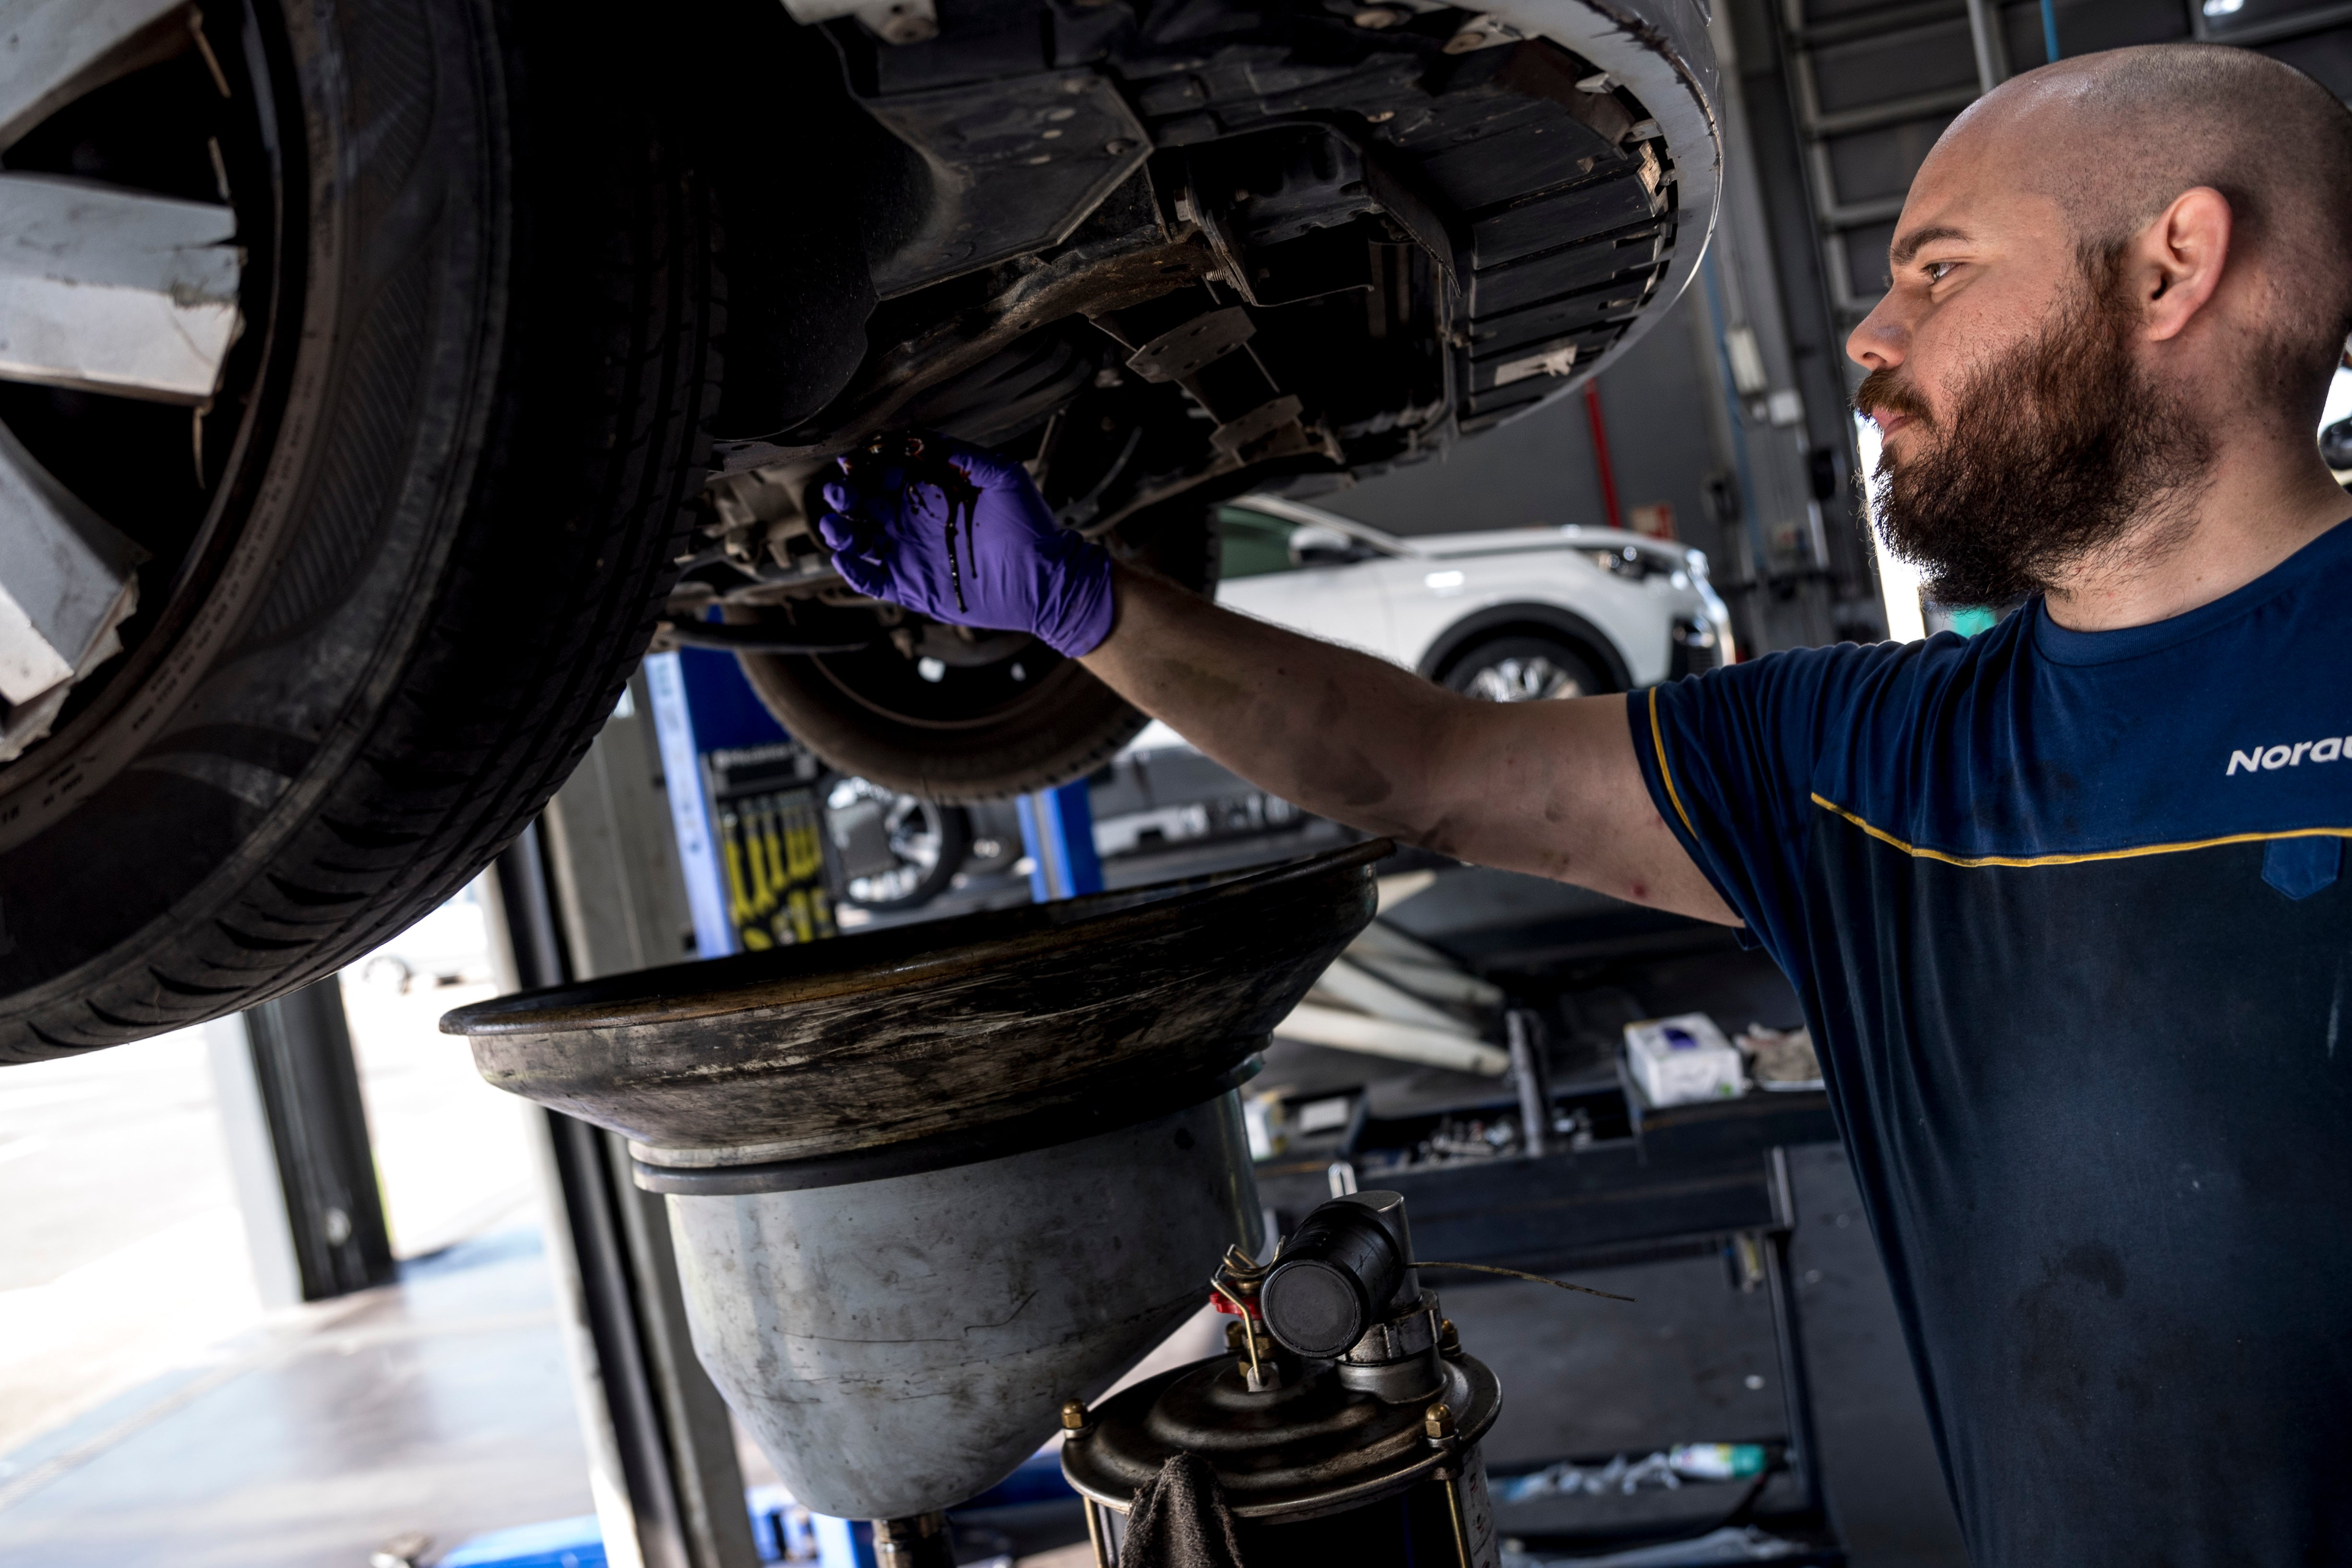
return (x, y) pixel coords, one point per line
(1878, 343)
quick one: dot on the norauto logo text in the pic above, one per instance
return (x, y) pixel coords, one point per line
(2295, 756)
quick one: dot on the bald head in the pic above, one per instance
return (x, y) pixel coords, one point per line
(2114, 138)
(2115, 296)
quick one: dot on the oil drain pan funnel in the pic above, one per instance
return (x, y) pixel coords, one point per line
(928, 1182)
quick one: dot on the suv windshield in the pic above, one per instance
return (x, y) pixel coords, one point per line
(1251, 544)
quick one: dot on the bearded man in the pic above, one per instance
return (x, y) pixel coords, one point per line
(2064, 903)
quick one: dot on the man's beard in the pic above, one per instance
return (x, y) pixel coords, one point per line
(2055, 451)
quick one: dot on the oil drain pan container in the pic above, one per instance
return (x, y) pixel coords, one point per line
(928, 1184)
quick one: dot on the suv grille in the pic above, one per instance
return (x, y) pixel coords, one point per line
(1696, 648)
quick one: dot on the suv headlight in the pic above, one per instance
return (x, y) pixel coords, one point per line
(1629, 561)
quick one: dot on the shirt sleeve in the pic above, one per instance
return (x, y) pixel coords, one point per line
(1729, 758)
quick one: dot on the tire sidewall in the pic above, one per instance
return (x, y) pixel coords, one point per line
(314, 600)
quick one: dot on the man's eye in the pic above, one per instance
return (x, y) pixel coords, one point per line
(1937, 269)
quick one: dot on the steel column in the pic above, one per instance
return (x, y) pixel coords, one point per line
(1057, 830)
(309, 1089)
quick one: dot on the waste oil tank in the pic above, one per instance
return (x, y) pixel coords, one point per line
(930, 1185)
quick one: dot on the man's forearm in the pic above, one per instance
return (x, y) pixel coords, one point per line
(1550, 788)
(1342, 733)
(1547, 788)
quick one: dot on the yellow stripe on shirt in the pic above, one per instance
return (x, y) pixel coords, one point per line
(1658, 740)
(1918, 853)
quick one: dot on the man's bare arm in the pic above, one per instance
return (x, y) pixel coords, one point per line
(1549, 787)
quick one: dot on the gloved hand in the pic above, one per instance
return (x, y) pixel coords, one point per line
(961, 534)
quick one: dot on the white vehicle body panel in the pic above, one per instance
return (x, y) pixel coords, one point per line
(1433, 583)
(1444, 590)
(1405, 599)
(1348, 605)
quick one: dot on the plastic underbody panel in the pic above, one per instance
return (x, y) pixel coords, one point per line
(1421, 238)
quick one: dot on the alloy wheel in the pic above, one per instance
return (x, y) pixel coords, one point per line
(139, 200)
(1520, 680)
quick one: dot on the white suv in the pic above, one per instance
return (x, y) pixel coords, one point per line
(1512, 614)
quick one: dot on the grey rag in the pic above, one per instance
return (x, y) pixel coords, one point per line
(1178, 1519)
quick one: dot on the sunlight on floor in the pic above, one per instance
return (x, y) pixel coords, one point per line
(123, 1253)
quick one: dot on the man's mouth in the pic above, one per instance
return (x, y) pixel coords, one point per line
(1889, 403)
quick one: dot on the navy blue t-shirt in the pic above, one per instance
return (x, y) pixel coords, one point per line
(2068, 915)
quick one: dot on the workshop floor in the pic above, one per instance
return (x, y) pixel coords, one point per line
(437, 1405)
(152, 1411)
(115, 1200)
(155, 1415)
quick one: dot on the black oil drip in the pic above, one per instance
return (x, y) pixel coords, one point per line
(962, 498)
(910, 450)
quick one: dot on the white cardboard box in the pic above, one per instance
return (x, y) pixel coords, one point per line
(1681, 1060)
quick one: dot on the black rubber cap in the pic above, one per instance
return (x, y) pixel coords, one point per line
(1334, 1274)
(1314, 1308)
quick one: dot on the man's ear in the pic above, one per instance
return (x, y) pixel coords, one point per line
(2177, 261)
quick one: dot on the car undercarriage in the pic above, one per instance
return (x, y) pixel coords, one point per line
(468, 345)
(1165, 258)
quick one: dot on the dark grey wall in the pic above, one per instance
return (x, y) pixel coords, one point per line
(1539, 470)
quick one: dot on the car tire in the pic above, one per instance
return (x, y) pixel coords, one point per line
(1522, 669)
(2336, 445)
(464, 467)
(949, 829)
(953, 825)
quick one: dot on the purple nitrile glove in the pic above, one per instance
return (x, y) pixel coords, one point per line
(1013, 567)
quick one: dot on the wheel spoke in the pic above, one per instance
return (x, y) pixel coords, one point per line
(1521, 680)
(113, 290)
(60, 50)
(66, 580)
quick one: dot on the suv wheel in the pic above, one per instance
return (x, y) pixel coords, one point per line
(898, 851)
(1522, 669)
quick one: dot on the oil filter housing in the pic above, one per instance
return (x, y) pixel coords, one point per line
(1343, 1424)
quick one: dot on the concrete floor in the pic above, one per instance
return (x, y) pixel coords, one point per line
(154, 1411)
(437, 1405)
(114, 1184)
(114, 1191)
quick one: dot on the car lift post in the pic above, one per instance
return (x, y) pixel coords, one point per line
(288, 1090)
(1057, 833)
